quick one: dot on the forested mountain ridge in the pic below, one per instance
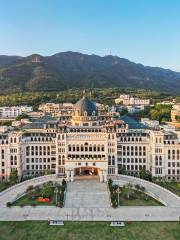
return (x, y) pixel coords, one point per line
(76, 70)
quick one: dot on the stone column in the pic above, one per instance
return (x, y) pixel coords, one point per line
(67, 175)
(105, 175)
(72, 175)
(101, 175)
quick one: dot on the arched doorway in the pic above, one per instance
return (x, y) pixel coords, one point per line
(86, 173)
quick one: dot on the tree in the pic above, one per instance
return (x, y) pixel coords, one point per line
(124, 111)
(22, 116)
(47, 190)
(145, 175)
(13, 176)
(177, 118)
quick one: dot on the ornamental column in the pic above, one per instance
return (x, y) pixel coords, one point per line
(100, 175)
(67, 175)
(72, 175)
(105, 175)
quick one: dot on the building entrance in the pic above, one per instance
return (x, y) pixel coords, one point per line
(86, 171)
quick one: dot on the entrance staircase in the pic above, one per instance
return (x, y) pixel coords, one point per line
(87, 194)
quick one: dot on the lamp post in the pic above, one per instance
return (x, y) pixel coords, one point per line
(118, 192)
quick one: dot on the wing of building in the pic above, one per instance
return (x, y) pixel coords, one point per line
(89, 143)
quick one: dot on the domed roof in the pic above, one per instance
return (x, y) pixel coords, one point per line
(85, 107)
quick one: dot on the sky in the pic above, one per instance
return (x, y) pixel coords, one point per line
(143, 31)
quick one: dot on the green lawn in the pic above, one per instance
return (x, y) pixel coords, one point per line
(137, 198)
(139, 202)
(90, 231)
(25, 201)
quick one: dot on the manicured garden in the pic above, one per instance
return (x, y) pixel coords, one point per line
(47, 194)
(89, 230)
(130, 195)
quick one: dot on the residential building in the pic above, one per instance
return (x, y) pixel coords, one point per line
(130, 100)
(175, 113)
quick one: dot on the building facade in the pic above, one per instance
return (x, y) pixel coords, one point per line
(88, 143)
(175, 113)
(13, 112)
(130, 100)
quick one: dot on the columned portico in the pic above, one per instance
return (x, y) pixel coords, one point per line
(70, 175)
(89, 172)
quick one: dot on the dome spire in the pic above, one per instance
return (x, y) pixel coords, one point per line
(85, 107)
(84, 93)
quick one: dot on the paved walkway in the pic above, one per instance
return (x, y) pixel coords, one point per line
(87, 193)
(90, 214)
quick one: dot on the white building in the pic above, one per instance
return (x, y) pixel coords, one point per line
(89, 143)
(129, 100)
(150, 123)
(13, 112)
(175, 113)
(135, 109)
(57, 109)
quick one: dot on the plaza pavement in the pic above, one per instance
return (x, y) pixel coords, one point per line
(87, 194)
(91, 203)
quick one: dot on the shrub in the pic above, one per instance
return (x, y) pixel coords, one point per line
(30, 188)
(110, 182)
(8, 204)
(63, 182)
(137, 187)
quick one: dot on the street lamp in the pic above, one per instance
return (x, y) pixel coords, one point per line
(56, 192)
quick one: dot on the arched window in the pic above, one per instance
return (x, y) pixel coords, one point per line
(98, 148)
(113, 160)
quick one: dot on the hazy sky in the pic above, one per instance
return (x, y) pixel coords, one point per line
(144, 31)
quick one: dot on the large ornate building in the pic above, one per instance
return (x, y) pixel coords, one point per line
(89, 143)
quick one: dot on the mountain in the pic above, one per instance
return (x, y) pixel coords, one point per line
(76, 70)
